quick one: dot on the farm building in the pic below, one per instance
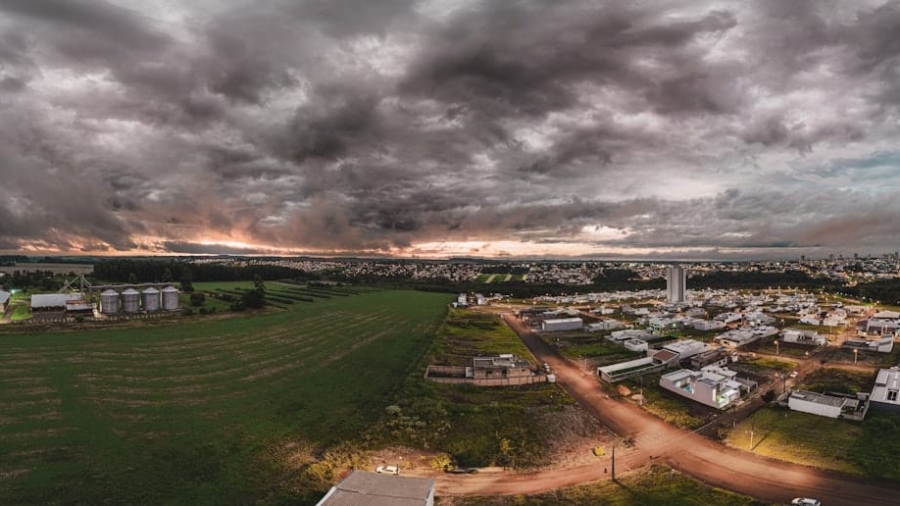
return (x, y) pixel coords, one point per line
(109, 302)
(362, 488)
(4, 300)
(561, 324)
(55, 301)
(170, 298)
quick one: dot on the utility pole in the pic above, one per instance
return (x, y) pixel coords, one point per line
(751, 435)
(614, 463)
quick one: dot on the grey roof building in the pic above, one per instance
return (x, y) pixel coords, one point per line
(362, 488)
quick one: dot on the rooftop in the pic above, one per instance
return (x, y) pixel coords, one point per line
(817, 398)
(362, 488)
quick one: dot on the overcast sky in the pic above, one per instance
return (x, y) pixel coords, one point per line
(450, 127)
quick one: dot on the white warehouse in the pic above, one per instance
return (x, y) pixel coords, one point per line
(561, 324)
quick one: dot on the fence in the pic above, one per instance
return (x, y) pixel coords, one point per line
(457, 375)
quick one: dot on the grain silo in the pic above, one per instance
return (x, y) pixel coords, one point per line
(170, 298)
(131, 301)
(109, 302)
(150, 299)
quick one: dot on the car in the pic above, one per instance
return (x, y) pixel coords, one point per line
(387, 470)
(793, 374)
(805, 501)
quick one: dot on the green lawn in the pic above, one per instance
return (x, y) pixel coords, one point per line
(657, 485)
(867, 448)
(777, 364)
(201, 411)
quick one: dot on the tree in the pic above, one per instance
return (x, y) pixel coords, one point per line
(132, 278)
(185, 279)
(254, 299)
(167, 276)
(258, 283)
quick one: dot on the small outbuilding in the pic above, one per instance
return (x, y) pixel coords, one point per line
(4, 300)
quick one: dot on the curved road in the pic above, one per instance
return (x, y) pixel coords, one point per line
(690, 453)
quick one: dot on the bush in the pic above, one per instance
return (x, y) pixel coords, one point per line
(769, 396)
(197, 299)
(187, 312)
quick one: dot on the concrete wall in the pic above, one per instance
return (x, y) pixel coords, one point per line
(451, 375)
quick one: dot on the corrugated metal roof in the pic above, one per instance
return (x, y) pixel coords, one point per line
(45, 300)
(4, 296)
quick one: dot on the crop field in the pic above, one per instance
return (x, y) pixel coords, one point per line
(203, 411)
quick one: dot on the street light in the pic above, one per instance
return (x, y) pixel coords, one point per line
(855, 354)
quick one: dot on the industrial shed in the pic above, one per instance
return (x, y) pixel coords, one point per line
(55, 301)
(561, 324)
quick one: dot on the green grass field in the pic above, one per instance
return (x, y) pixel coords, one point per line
(866, 448)
(201, 411)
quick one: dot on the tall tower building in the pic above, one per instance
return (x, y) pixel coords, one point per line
(675, 283)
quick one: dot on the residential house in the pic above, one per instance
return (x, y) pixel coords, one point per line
(829, 405)
(712, 386)
(803, 336)
(500, 366)
(886, 392)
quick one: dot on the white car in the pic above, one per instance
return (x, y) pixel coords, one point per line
(793, 374)
(806, 501)
(387, 470)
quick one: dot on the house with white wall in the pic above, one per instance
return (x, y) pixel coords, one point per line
(712, 386)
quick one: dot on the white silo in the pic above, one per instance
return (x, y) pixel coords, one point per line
(109, 302)
(170, 298)
(150, 299)
(131, 301)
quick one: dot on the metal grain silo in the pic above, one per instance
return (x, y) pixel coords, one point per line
(150, 299)
(131, 301)
(109, 301)
(170, 298)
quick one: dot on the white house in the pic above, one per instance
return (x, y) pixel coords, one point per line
(803, 336)
(831, 406)
(712, 386)
(886, 392)
(604, 325)
(739, 337)
(706, 325)
(636, 345)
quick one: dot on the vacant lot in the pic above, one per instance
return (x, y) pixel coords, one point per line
(209, 411)
(476, 426)
(867, 448)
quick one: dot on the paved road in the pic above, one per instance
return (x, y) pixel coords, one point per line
(690, 453)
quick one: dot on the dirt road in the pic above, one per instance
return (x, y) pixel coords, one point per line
(690, 453)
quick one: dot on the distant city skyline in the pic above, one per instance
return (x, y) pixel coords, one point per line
(672, 130)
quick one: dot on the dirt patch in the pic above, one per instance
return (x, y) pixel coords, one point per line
(408, 459)
(572, 434)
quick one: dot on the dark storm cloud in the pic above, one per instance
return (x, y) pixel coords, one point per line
(368, 126)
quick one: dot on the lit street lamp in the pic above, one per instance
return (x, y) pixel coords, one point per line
(855, 354)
